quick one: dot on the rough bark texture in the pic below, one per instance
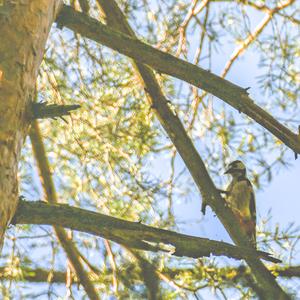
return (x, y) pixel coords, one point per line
(24, 28)
(163, 62)
(267, 287)
(131, 234)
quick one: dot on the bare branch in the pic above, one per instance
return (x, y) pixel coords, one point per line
(131, 234)
(113, 265)
(43, 110)
(49, 188)
(42, 275)
(253, 36)
(171, 123)
(230, 276)
(232, 94)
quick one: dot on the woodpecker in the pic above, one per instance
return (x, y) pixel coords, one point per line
(240, 198)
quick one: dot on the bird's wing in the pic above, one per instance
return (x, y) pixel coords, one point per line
(252, 205)
(243, 192)
(253, 212)
(239, 191)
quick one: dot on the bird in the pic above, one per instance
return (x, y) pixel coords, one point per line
(240, 198)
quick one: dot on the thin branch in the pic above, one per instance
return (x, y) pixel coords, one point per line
(253, 36)
(163, 62)
(40, 275)
(49, 188)
(85, 6)
(230, 275)
(292, 271)
(33, 275)
(183, 27)
(149, 275)
(43, 110)
(159, 275)
(113, 265)
(245, 44)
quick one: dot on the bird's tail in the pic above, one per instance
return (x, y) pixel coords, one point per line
(250, 229)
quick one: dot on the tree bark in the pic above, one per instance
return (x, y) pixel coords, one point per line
(264, 280)
(24, 28)
(131, 234)
(163, 62)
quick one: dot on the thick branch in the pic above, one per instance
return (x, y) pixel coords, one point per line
(173, 126)
(232, 94)
(131, 234)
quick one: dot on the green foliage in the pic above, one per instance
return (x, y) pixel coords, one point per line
(113, 156)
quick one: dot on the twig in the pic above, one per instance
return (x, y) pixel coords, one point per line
(253, 36)
(112, 264)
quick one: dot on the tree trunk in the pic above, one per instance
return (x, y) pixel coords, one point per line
(24, 28)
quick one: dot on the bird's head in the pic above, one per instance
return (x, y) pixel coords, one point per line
(236, 169)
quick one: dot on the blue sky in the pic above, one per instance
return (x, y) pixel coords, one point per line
(280, 197)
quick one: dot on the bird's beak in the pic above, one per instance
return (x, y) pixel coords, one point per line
(229, 170)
